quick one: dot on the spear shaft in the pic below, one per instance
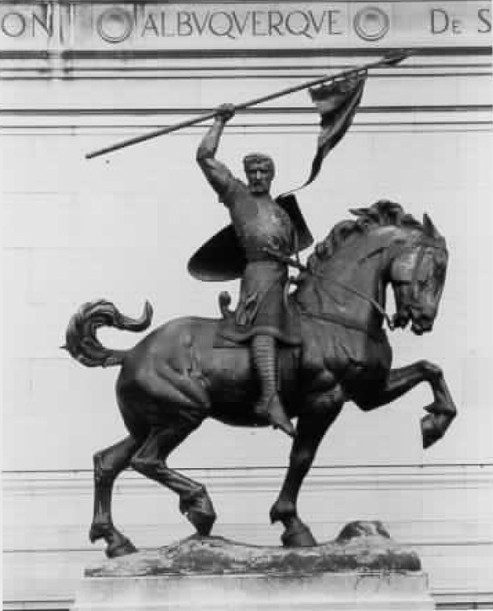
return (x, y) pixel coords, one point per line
(389, 60)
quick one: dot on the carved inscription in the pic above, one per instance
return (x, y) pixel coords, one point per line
(242, 24)
(444, 21)
(118, 24)
(27, 21)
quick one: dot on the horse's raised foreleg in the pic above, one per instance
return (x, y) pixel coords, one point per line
(400, 381)
(311, 428)
(150, 460)
(108, 464)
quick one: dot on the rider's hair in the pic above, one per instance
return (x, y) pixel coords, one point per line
(251, 158)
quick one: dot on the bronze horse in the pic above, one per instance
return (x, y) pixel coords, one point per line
(175, 377)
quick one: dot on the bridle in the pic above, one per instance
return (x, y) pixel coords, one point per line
(423, 243)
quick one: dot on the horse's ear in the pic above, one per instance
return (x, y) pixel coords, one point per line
(429, 227)
(366, 214)
(359, 211)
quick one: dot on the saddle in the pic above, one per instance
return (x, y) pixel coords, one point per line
(230, 334)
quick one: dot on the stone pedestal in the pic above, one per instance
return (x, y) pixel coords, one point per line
(362, 570)
(357, 591)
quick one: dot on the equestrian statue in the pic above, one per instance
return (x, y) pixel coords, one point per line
(335, 349)
(294, 348)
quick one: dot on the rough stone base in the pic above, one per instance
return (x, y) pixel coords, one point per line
(362, 570)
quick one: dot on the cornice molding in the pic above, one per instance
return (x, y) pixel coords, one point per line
(477, 117)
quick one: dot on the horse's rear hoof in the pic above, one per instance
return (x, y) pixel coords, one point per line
(199, 511)
(202, 522)
(298, 535)
(122, 548)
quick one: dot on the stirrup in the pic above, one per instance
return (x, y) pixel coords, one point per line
(278, 417)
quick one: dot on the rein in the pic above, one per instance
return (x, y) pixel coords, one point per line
(342, 320)
(369, 299)
(339, 319)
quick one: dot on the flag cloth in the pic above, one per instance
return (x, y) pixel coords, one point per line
(337, 103)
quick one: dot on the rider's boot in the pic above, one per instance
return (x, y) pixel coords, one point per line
(269, 405)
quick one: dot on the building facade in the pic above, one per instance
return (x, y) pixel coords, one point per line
(80, 75)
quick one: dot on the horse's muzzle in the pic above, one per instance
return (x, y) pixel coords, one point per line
(422, 324)
(400, 320)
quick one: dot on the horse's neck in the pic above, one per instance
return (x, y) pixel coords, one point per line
(349, 285)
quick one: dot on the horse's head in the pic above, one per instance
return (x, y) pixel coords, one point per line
(348, 271)
(417, 275)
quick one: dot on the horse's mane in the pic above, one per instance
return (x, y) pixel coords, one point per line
(379, 214)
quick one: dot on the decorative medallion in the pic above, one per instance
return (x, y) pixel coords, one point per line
(371, 23)
(114, 25)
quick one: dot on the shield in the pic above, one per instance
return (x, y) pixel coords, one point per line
(222, 257)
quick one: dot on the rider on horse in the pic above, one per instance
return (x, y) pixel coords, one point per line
(268, 237)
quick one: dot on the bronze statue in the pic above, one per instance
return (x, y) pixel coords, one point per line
(189, 369)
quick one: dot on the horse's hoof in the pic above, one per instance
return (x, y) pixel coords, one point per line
(430, 432)
(199, 511)
(121, 548)
(298, 536)
(203, 522)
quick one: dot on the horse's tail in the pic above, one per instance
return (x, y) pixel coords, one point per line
(81, 337)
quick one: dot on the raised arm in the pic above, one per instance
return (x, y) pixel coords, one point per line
(216, 172)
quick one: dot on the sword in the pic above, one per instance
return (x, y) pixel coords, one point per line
(391, 59)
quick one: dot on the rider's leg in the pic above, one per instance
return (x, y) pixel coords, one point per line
(264, 354)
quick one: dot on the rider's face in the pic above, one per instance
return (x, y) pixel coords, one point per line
(259, 176)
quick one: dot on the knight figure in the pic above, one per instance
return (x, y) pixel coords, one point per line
(268, 234)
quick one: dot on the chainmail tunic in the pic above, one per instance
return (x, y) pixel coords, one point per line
(263, 228)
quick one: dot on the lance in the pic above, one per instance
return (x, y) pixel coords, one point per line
(391, 59)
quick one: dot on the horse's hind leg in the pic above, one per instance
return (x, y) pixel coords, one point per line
(150, 460)
(108, 464)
